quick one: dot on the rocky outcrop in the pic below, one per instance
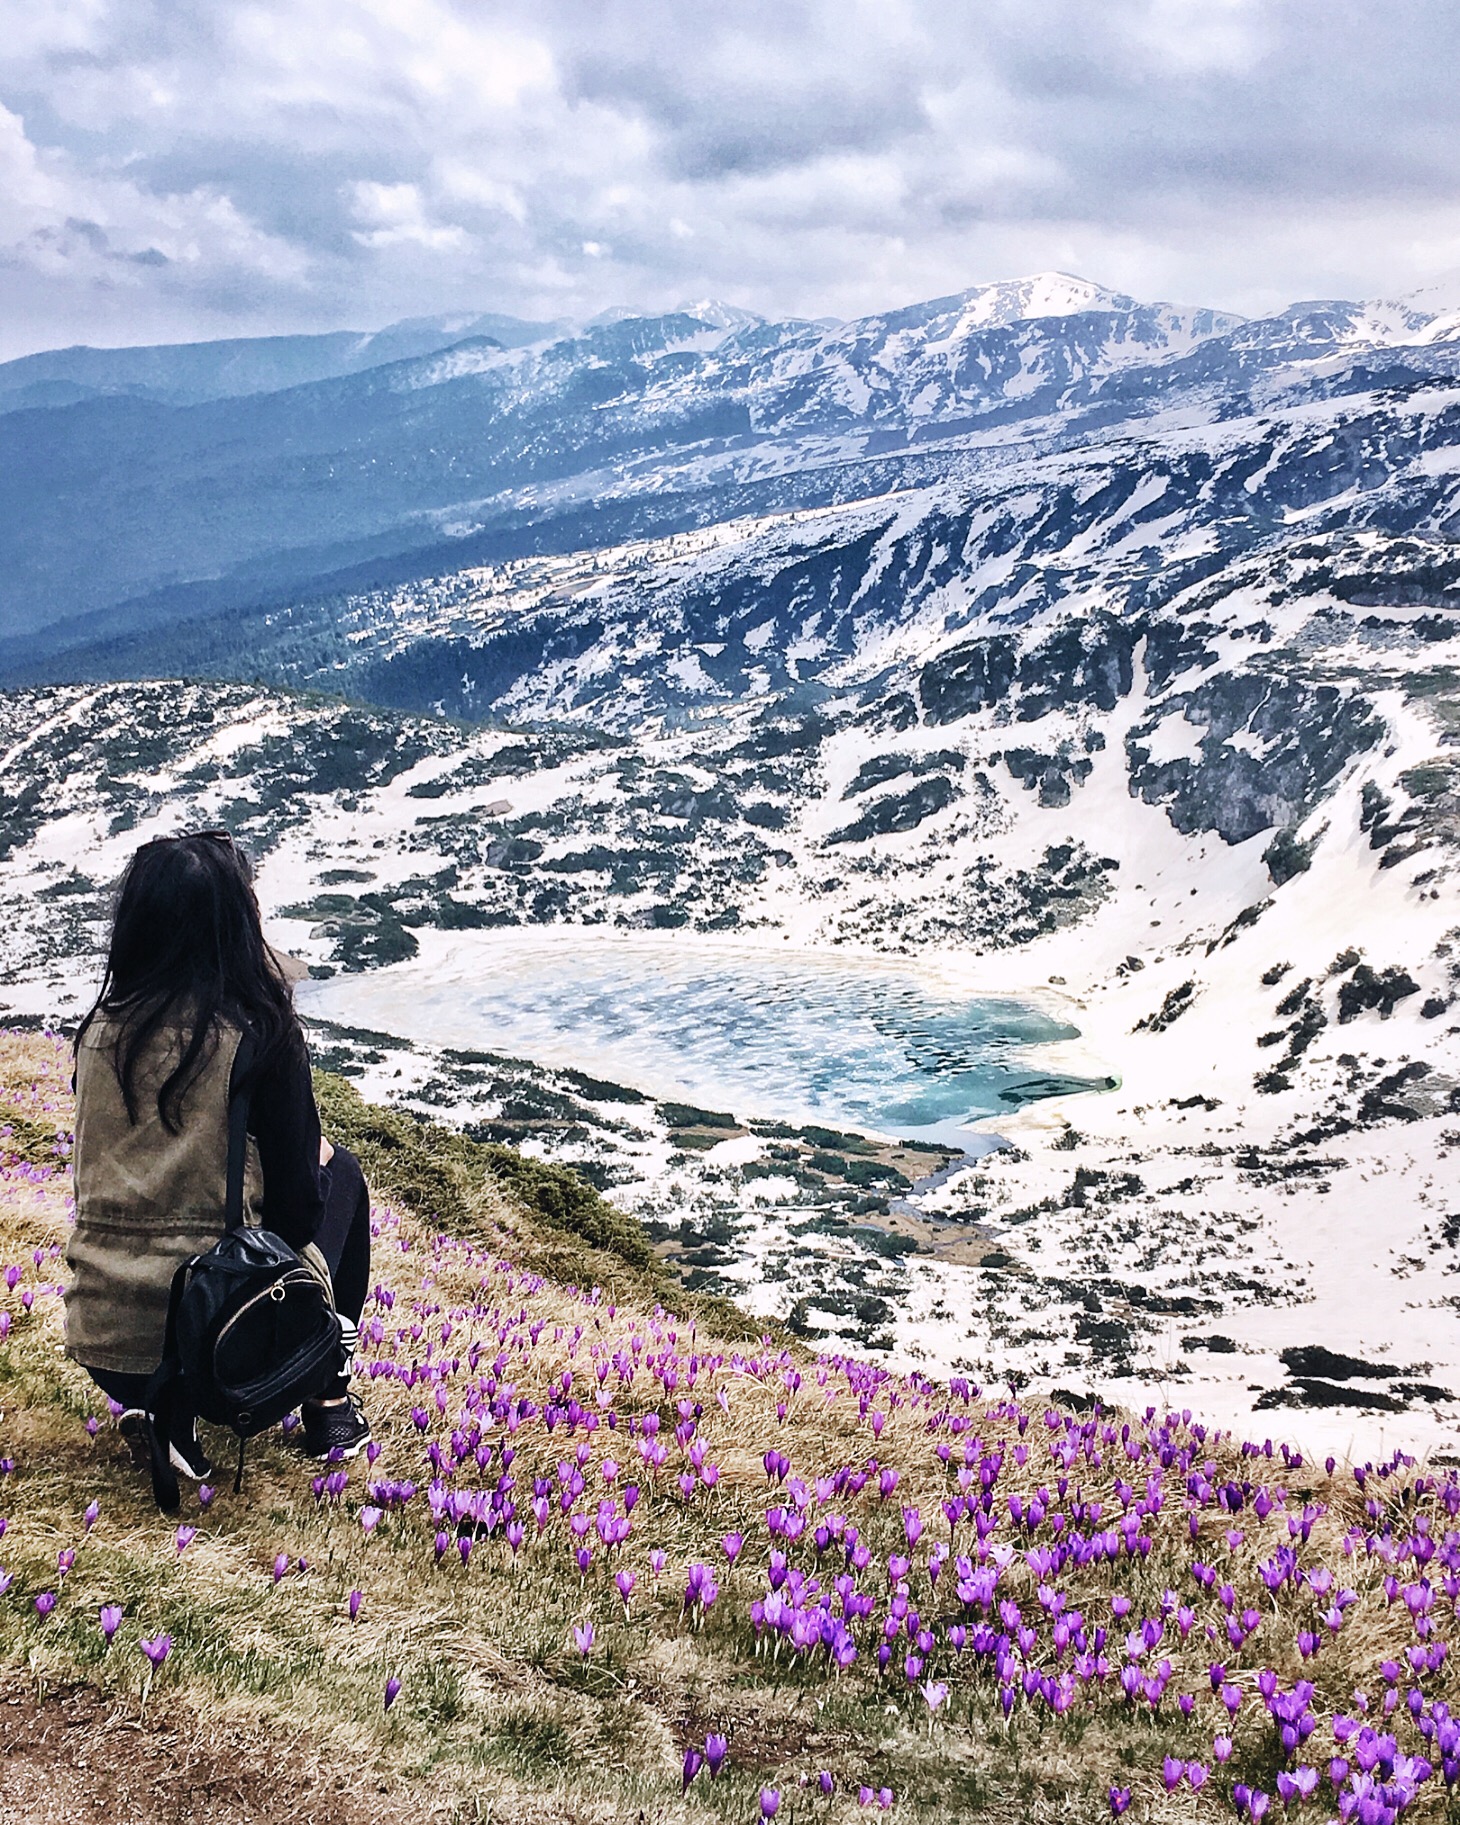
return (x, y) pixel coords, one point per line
(1268, 748)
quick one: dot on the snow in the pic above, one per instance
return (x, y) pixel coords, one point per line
(1173, 738)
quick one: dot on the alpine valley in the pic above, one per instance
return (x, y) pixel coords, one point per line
(1092, 662)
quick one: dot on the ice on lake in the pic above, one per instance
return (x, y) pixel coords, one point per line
(882, 1045)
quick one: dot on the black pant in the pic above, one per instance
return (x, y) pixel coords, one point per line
(343, 1238)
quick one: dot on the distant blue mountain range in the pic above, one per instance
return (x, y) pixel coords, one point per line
(191, 373)
(145, 489)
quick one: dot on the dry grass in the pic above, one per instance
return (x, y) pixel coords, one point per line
(499, 1714)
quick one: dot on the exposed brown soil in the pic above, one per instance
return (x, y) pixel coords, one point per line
(74, 1756)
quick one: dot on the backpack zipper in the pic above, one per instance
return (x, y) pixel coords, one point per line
(293, 1276)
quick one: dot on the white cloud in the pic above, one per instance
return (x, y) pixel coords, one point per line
(397, 217)
(1199, 37)
(70, 223)
(304, 163)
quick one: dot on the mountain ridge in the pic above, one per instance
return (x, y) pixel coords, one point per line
(113, 500)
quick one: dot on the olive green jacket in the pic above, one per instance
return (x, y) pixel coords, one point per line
(146, 1199)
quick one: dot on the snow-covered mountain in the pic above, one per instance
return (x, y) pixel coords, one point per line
(148, 513)
(1106, 654)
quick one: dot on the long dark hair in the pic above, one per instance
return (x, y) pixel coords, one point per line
(187, 949)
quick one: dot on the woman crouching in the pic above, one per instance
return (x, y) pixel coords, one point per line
(195, 1008)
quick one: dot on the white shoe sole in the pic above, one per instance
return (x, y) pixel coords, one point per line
(345, 1451)
(181, 1465)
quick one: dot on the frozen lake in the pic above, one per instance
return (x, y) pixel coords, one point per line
(878, 1044)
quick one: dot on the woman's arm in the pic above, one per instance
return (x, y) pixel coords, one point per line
(284, 1122)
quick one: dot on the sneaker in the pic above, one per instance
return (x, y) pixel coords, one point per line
(136, 1430)
(185, 1454)
(339, 1429)
(188, 1457)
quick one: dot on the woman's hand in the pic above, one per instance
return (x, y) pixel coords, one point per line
(326, 1151)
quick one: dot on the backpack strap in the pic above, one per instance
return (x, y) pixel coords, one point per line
(163, 1397)
(238, 1106)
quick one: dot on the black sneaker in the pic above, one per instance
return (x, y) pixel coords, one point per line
(185, 1454)
(136, 1430)
(188, 1457)
(338, 1429)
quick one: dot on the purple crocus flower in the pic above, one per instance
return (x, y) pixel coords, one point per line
(1119, 1801)
(717, 1748)
(1297, 1786)
(88, 1520)
(44, 1604)
(770, 1802)
(110, 1620)
(701, 1588)
(583, 1638)
(370, 1518)
(826, 1781)
(693, 1762)
(157, 1649)
(206, 1492)
(392, 1691)
(185, 1538)
(65, 1559)
(281, 1565)
(354, 1605)
(732, 1545)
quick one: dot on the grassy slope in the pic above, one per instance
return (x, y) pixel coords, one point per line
(500, 1714)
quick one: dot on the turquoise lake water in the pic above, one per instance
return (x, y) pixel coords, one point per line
(873, 1045)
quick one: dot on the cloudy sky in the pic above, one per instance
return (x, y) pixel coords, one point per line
(185, 168)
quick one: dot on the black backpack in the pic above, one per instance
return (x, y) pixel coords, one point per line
(251, 1331)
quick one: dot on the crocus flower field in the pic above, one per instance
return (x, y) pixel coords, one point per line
(606, 1559)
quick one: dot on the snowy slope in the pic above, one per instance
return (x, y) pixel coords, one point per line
(1284, 1033)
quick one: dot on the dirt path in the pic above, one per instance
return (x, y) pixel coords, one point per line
(77, 1757)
